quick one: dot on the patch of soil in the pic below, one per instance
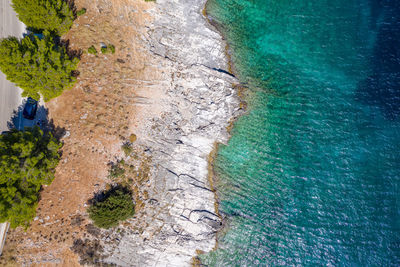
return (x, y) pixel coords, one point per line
(97, 116)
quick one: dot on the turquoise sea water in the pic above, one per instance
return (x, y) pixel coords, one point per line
(311, 175)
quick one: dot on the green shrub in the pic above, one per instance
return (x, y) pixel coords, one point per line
(92, 50)
(108, 49)
(112, 48)
(132, 138)
(81, 12)
(27, 161)
(89, 251)
(38, 66)
(127, 148)
(111, 207)
(55, 16)
(116, 171)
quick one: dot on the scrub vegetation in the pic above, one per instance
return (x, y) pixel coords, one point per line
(27, 161)
(108, 49)
(127, 149)
(81, 12)
(92, 50)
(116, 171)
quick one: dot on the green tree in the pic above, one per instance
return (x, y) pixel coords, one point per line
(53, 15)
(27, 161)
(38, 66)
(111, 207)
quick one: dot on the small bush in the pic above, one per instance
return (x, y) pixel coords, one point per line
(111, 207)
(127, 148)
(81, 12)
(92, 50)
(89, 251)
(112, 48)
(108, 49)
(116, 171)
(132, 138)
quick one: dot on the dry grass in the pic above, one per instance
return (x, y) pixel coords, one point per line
(196, 262)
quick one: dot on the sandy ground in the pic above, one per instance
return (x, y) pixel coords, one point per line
(10, 96)
(96, 117)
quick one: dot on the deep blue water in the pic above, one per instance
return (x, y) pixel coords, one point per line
(311, 175)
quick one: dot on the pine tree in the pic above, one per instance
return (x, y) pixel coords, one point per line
(114, 206)
(53, 15)
(38, 66)
(27, 161)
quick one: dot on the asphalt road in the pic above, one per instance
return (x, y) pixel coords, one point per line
(10, 95)
(3, 231)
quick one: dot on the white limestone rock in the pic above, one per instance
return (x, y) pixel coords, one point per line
(199, 103)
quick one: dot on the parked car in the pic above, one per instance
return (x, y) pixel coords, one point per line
(30, 109)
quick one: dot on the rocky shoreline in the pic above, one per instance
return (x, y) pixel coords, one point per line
(182, 115)
(168, 91)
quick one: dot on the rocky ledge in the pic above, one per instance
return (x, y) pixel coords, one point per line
(181, 116)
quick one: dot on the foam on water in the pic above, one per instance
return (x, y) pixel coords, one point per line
(311, 175)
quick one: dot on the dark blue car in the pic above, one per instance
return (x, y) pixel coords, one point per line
(30, 109)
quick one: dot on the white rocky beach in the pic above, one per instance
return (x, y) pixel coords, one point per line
(186, 112)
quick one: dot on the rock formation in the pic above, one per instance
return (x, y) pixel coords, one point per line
(180, 118)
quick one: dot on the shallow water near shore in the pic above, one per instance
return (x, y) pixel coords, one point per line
(311, 175)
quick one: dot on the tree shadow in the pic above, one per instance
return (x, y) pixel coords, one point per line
(72, 6)
(70, 52)
(13, 122)
(17, 121)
